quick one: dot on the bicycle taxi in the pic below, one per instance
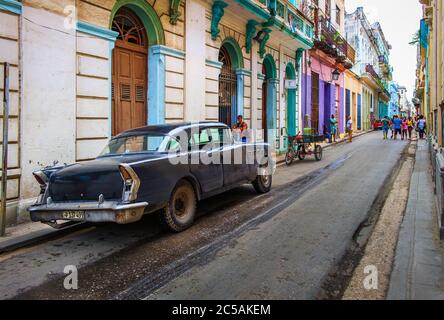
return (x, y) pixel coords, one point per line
(303, 145)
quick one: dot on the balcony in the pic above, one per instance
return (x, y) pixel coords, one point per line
(296, 15)
(382, 84)
(332, 43)
(385, 68)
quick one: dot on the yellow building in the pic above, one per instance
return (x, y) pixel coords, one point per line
(84, 70)
(353, 96)
(430, 82)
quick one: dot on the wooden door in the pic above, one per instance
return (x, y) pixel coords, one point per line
(129, 87)
(129, 73)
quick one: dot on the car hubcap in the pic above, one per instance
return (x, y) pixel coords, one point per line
(266, 180)
(181, 204)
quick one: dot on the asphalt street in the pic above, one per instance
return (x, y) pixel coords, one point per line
(289, 256)
(243, 246)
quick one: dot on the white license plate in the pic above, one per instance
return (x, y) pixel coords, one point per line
(73, 215)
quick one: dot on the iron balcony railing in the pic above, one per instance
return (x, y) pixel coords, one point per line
(370, 70)
(298, 14)
(331, 41)
(381, 82)
(305, 7)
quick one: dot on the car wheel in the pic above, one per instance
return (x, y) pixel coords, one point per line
(180, 211)
(262, 183)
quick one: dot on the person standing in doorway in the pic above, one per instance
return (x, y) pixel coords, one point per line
(241, 127)
(350, 129)
(333, 127)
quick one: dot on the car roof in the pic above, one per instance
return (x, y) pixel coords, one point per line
(165, 129)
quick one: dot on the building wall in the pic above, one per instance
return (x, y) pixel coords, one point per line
(10, 51)
(436, 59)
(353, 84)
(327, 94)
(61, 80)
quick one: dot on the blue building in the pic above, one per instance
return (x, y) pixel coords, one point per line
(394, 99)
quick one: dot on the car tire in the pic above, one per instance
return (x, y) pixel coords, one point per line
(262, 183)
(180, 211)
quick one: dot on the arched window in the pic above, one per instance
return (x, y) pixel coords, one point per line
(129, 28)
(227, 88)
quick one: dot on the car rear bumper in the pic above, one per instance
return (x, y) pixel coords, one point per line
(108, 211)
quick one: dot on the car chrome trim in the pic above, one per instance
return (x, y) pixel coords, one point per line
(109, 211)
(134, 186)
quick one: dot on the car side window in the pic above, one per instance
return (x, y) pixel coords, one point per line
(173, 145)
(216, 137)
(227, 137)
(200, 139)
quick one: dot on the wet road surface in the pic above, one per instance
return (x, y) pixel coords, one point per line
(278, 245)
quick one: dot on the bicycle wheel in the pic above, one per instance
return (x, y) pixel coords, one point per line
(289, 157)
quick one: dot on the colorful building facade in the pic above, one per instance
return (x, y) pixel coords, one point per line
(83, 71)
(323, 69)
(372, 67)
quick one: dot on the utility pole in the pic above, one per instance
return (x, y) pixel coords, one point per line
(4, 149)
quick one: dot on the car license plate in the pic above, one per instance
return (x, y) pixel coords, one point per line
(73, 215)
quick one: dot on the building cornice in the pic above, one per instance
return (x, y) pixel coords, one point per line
(11, 6)
(97, 31)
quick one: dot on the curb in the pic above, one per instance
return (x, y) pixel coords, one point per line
(35, 237)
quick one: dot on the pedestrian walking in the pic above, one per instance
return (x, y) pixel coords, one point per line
(421, 127)
(392, 128)
(333, 127)
(385, 127)
(397, 124)
(410, 126)
(404, 129)
(350, 129)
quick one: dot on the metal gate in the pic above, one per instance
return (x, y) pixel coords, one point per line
(315, 101)
(227, 89)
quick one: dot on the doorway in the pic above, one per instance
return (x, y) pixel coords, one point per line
(227, 88)
(129, 72)
(315, 101)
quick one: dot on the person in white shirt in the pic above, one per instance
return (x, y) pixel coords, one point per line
(350, 129)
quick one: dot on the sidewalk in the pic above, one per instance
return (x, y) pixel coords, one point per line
(418, 271)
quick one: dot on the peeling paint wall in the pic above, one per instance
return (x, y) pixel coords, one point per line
(61, 80)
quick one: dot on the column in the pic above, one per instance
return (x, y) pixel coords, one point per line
(156, 85)
(195, 68)
(254, 85)
(272, 111)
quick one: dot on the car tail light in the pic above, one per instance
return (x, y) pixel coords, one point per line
(131, 183)
(41, 178)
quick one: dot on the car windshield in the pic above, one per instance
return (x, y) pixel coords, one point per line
(135, 144)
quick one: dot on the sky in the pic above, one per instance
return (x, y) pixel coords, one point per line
(399, 20)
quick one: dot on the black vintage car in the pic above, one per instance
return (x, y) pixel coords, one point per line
(164, 167)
